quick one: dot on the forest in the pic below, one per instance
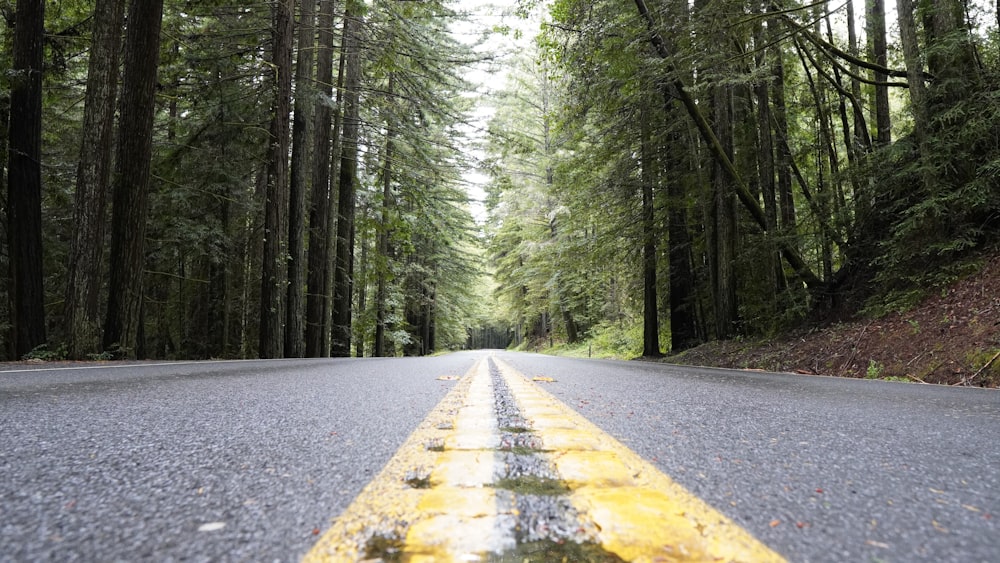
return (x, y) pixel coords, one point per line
(206, 179)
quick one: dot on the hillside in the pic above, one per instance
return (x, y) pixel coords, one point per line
(951, 338)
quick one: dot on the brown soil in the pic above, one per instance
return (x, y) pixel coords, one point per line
(951, 338)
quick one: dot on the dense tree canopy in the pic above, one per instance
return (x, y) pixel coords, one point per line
(750, 164)
(288, 178)
(208, 257)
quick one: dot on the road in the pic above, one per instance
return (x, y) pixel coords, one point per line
(251, 461)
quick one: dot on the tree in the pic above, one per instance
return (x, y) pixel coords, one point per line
(318, 299)
(274, 274)
(301, 158)
(875, 17)
(24, 179)
(132, 177)
(81, 314)
(344, 269)
(382, 281)
(650, 311)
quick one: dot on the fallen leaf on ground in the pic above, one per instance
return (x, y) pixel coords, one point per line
(775, 523)
(448, 378)
(542, 378)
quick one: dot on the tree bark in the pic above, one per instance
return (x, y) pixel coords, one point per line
(650, 318)
(81, 315)
(683, 320)
(950, 53)
(130, 204)
(7, 337)
(24, 178)
(362, 287)
(914, 68)
(862, 139)
(722, 222)
(317, 299)
(274, 271)
(301, 158)
(783, 153)
(381, 292)
(878, 53)
(716, 149)
(344, 270)
(334, 207)
(766, 160)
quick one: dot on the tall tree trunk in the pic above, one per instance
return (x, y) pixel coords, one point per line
(783, 153)
(852, 145)
(650, 319)
(950, 53)
(381, 293)
(718, 152)
(914, 68)
(130, 203)
(362, 287)
(81, 315)
(722, 223)
(878, 53)
(862, 139)
(343, 274)
(430, 325)
(6, 298)
(334, 207)
(765, 158)
(301, 158)
(684, 331)
(24, 178)
(317, 322)
(274, 271)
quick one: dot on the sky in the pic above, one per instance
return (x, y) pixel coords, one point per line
(481, 29)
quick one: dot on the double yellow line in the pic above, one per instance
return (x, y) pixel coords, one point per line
(436, 498)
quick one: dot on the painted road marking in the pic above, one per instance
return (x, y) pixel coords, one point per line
(442, 497)
(641, 514)
(430, 505)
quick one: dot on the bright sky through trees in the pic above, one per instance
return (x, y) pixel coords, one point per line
(496, 34)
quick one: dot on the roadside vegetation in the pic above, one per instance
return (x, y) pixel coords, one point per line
(951, 337)
(798, 187)
(289, 178)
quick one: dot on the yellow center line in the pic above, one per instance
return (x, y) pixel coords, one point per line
(436, 498)
(641, 514)
(423, 495)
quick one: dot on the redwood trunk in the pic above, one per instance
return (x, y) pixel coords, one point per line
(81, 315)
(340, 345)
(274, 275)
(132, 176)
(317, 327)
(301, 157)
(24, 179)
(650, 320)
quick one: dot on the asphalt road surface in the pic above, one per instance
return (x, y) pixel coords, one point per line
(250, 461)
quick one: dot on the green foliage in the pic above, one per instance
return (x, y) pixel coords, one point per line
(611, 340)
(568, 153)
(943, 204)
(874, 370)
(45, 354)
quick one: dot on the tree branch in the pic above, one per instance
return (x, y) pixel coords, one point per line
(791, 254)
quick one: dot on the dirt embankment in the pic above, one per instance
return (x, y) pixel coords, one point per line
(951, 338)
